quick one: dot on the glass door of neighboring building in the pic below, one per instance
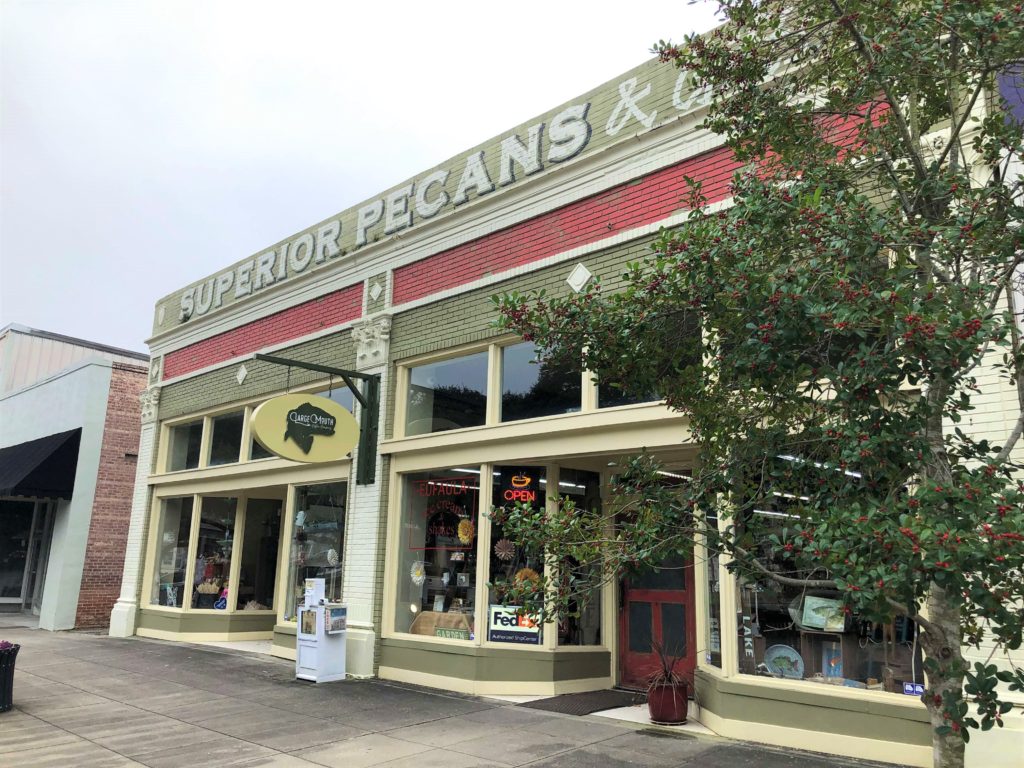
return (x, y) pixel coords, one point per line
(17, 526)
(657, 609)
(38, 556)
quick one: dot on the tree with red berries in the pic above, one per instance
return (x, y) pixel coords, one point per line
(830, 335)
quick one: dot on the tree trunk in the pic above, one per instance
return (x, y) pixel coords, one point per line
(941, 646)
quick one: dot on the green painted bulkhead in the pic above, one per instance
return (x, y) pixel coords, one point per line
(206, 623)
(812, 710)
(482, 664)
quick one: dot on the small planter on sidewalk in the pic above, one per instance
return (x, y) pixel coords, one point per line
(8, 654)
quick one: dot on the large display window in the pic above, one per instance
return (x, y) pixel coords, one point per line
(169, 572)
(803, 634)
(582, 624)
(205, 544)
(318, 542)
(437, 554)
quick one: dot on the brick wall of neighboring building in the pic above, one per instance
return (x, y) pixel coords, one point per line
(108, 528)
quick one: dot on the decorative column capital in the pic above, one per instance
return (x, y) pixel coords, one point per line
(149, 400)
(372, 338)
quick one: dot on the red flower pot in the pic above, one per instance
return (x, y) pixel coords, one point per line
(668, 702)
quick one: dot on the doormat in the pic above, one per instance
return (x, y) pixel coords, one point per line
(585, 703)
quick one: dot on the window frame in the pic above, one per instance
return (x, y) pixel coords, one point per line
(241, 507)
(589, 403)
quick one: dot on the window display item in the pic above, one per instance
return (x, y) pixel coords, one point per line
(823, 613)
(783, 661)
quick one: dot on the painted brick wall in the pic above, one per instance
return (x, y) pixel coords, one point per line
(643, 201)
(111, 510)
(211, 389)
(329, 310)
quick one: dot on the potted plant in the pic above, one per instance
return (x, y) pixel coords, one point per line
(668, 691)
(8, 653)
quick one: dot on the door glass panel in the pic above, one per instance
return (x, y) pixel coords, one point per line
(259, 555)
(673, 628)
(639, 627)
(17, 524)
(671, 575)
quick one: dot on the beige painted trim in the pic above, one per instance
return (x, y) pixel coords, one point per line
(494, 373)
(283, 653)
(401, 404)
(284, 554)
(149, 550)
(493, 687)
(729, 627)
(621, 429)
(205, 442)
(185, 637)
(483, 564)
(255, 474)
(818, 741)
(245, 455)
(392, 535)
(241, 510)
(700, 603)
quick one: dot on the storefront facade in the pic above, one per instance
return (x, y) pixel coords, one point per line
(223, 533)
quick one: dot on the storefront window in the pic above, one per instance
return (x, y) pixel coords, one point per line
(530, 389)
(183, 448)
(260, 541)
(511, 563)
(582, 626)
(172, 553)
(799, 634)
(713, 619)
(318, 542)
(257, 451)
(450, 394)
(611, 397)
(14, 543)
(226, 440)
(437, 554)
(213, 553)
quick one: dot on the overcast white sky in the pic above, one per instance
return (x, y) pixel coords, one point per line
(144, 145)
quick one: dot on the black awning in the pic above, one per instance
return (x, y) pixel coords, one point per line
(43, 468)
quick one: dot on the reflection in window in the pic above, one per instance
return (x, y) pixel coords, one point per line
(530, 389)
(226, 439)
(609, 396)
(172, 553)
(713, 638)
(259, 452)
(183, 448)
(451, 394)
(437, 562)
(260, 539)
(214, 549)
(318, 542)
(584, 489)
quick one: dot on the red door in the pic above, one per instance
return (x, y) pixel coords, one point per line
(657, 607)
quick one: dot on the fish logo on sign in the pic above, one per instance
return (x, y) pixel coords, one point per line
(307, 421)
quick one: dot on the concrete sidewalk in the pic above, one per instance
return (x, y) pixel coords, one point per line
(87, 700)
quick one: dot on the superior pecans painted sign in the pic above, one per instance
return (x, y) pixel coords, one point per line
(642, 99)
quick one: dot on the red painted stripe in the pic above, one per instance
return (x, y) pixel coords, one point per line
(633, 204)
(332, 309)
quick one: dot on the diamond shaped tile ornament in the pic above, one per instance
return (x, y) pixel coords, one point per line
(375, 291)
(579, 277)
(242, 373)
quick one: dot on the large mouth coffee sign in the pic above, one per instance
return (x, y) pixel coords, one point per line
(305, 428)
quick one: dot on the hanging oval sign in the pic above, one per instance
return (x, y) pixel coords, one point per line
(306, 428)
